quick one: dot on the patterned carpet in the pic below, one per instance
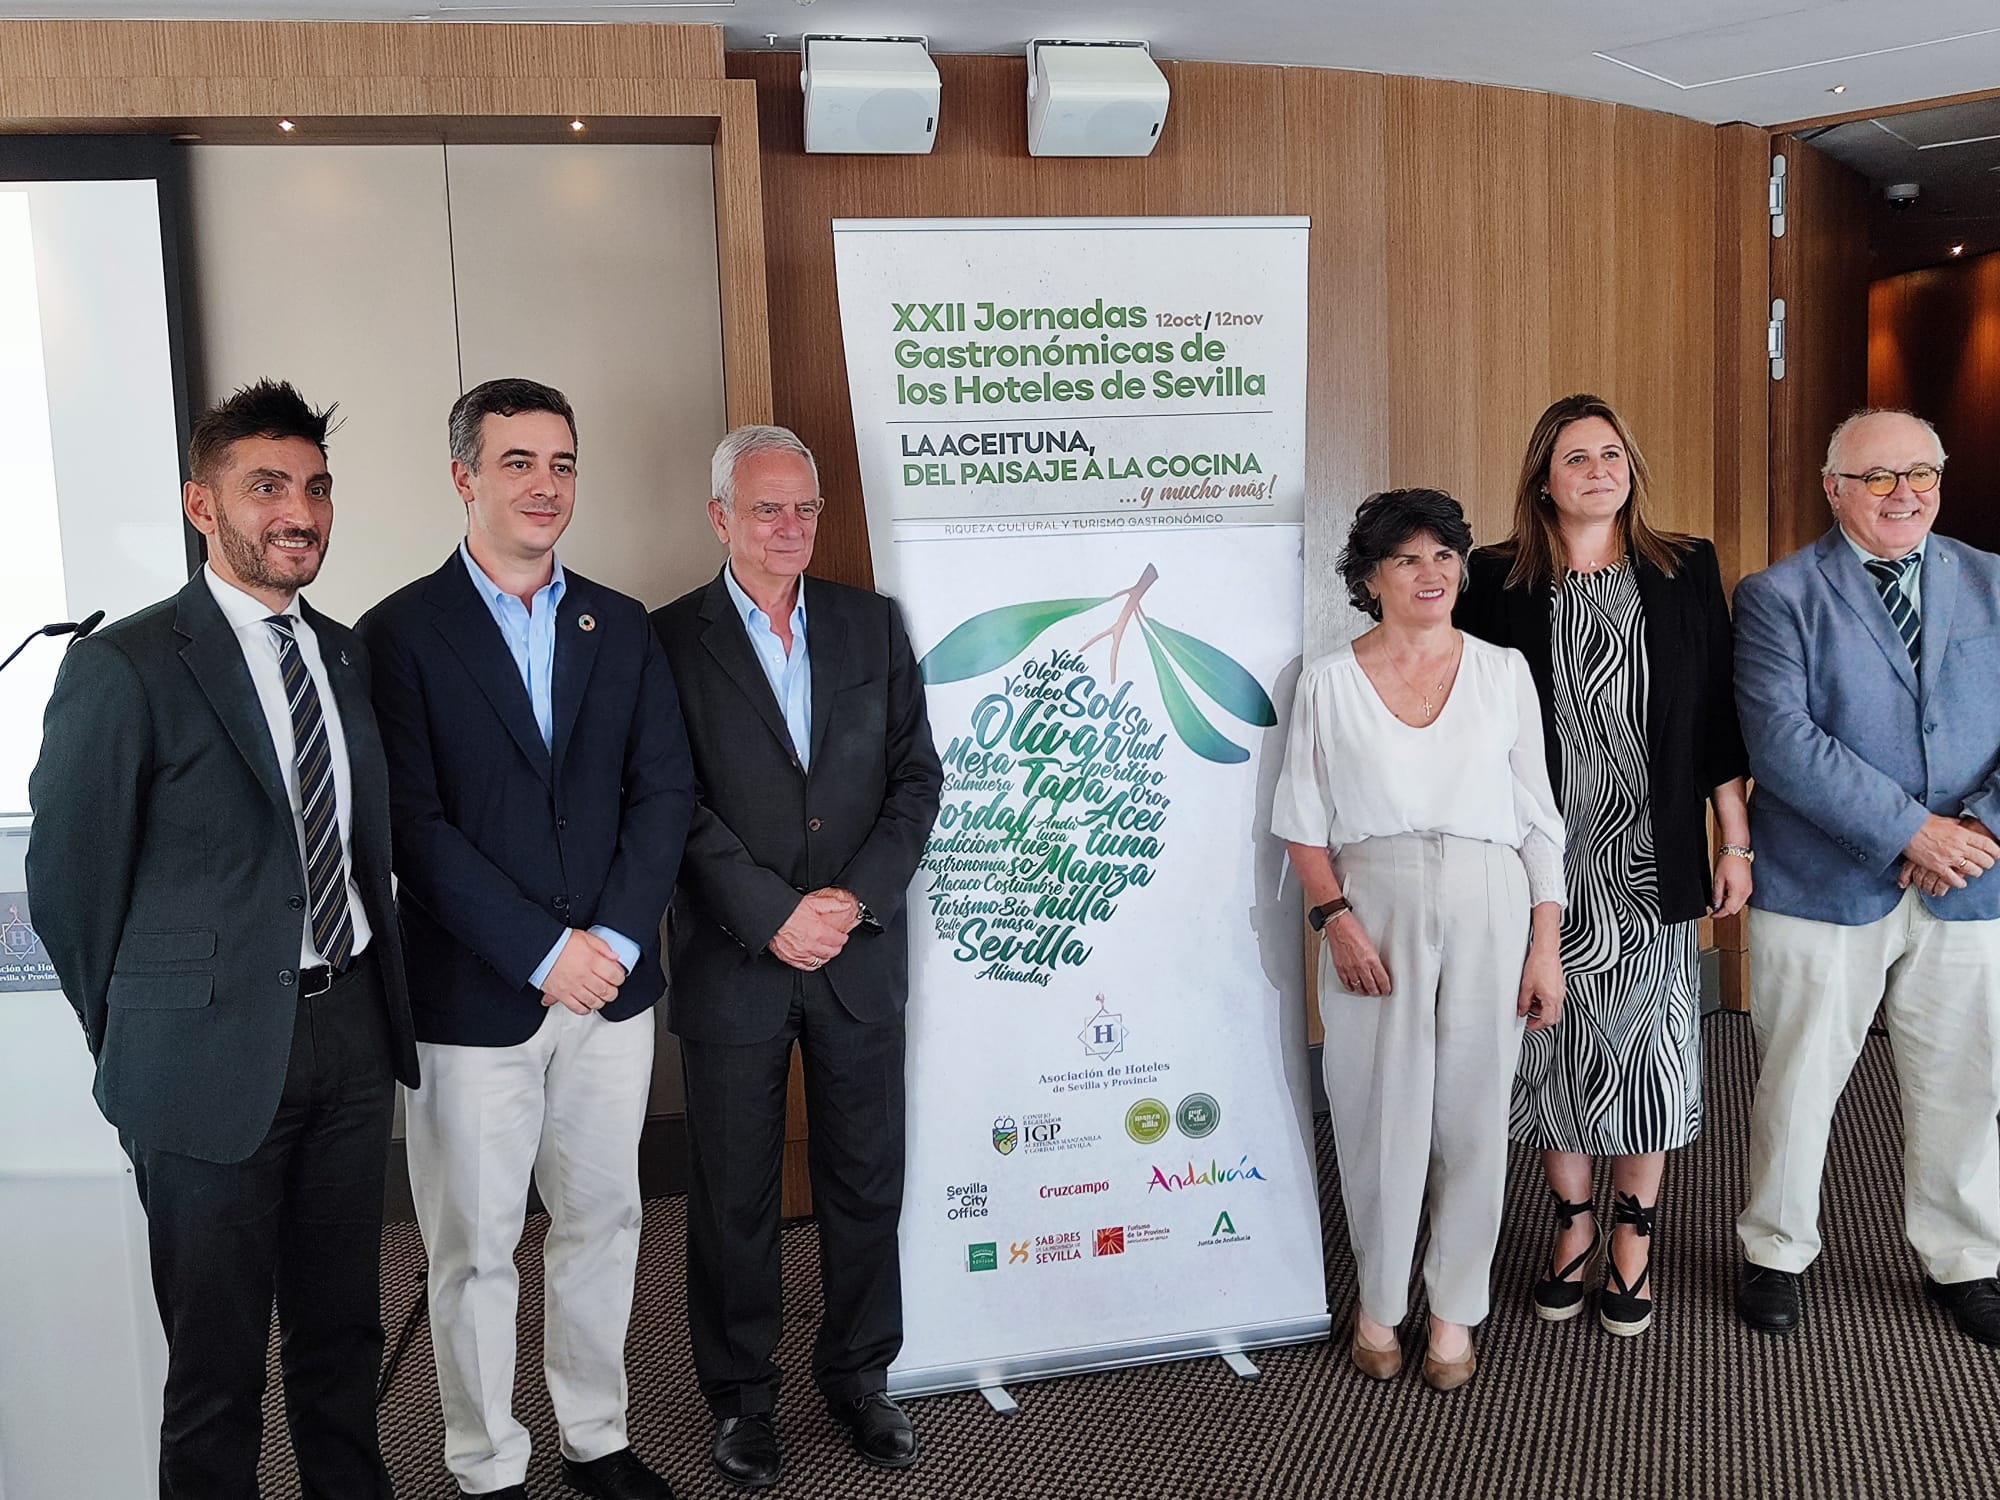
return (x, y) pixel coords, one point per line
(1876, 1398)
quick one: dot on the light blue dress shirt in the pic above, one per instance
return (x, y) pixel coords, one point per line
(790, 677)
(530, 634)
(1913, 581)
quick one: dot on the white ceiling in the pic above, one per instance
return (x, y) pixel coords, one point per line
(1763, 61)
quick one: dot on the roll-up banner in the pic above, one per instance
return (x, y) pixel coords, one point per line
(1082, 449)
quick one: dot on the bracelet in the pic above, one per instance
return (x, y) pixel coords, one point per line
(1748, 856)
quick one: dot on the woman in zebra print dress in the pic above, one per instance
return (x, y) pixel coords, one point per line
(1627, 636)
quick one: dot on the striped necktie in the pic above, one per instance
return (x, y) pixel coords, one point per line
(1891, 578)
(326, 872)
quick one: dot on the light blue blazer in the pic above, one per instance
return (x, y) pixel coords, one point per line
(1849, 750)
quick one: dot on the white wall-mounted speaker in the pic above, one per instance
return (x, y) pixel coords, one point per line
(1094, 99)
(870, 95)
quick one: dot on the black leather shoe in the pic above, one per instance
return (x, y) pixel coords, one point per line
(746, 1450)
(616, 1476)
(1768, 1299)
(880, 1429)
(1973, 1305)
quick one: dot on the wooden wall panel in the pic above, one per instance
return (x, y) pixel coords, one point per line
(1934, 348)
(1820, 268)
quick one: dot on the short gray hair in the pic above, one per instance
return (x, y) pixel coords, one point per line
(1831, 466)
(739, 445)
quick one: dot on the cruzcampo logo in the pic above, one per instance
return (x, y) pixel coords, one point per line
(991, 640)
(1198, 1116)
(1006, 1135)
(984, 1256)
(1146, 1121)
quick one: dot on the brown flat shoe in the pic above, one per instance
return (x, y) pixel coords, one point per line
(1376, 1364)
(1449, 1375)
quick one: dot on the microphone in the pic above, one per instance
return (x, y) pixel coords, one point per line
(75, 628)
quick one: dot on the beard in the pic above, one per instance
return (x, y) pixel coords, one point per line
(254, 560)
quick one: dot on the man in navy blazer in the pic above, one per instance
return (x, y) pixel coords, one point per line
(540, 791)
(1865, 673)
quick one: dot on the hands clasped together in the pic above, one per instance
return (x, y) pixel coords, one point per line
(1946, 854)
(817, 929)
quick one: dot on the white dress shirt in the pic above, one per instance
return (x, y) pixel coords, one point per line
(246, 616)
(1355, 771)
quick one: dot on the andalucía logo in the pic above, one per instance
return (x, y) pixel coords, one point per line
(1213, 1175)
(1110, 1241)
(1225, 1231)
(984, 1256)
(1006, 1136)
(1103, 1035)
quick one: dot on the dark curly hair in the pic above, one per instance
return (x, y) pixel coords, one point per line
(1386, 521)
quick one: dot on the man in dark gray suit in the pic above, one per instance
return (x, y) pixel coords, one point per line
(1865, 672)
(210, 874)
(817, 786)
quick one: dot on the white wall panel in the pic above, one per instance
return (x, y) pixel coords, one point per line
(330, 266)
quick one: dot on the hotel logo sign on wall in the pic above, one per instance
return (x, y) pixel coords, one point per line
(1082, 448)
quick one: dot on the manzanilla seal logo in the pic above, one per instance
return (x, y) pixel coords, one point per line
(1006, 1135)
(1146, 1121)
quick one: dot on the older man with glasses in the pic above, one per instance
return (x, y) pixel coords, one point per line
(1865, 668)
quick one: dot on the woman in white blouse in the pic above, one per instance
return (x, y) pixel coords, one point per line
(1415, 799)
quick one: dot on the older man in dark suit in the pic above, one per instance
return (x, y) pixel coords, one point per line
(1865, 669)
(210, 874)
(819, 784)
(540, 791)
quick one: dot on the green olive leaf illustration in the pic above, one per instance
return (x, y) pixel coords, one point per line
(1220, 676)
(996, 637)
(1195, 731)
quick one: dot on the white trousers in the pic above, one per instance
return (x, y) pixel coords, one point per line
(567, 1105)
(1419, 1080)
(1814, 988)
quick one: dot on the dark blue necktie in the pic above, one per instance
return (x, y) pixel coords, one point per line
(326, 872)
(1892, 578)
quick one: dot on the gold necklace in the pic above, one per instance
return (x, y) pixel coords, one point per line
(1429, 712)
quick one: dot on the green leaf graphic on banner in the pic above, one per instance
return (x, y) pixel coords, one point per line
(1195, 731)
(998, 636)
(1220, 676)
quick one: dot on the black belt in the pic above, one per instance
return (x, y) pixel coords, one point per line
(322, 977)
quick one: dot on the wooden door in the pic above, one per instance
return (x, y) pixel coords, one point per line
(1820, 269)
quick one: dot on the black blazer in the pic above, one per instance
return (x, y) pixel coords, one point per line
(766, 831)
(165, 874)
(501, 842)
(1693, 743)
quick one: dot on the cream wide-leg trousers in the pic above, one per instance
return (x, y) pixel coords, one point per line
(1419, 1080)
(1814, 989)
(566, 1106)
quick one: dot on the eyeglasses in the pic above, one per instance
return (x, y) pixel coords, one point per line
(1923, 478)
(767, 512)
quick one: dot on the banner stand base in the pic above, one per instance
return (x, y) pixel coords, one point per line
(1003, 1404)
(1240, 1366)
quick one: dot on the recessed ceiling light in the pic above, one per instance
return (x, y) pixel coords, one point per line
(287, 126)
(1838, 88)
(576, 124)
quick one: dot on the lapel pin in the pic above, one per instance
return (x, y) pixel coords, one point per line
(344, 661)
(588, 622)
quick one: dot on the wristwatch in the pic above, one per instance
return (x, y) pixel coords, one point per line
(1319, 916)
